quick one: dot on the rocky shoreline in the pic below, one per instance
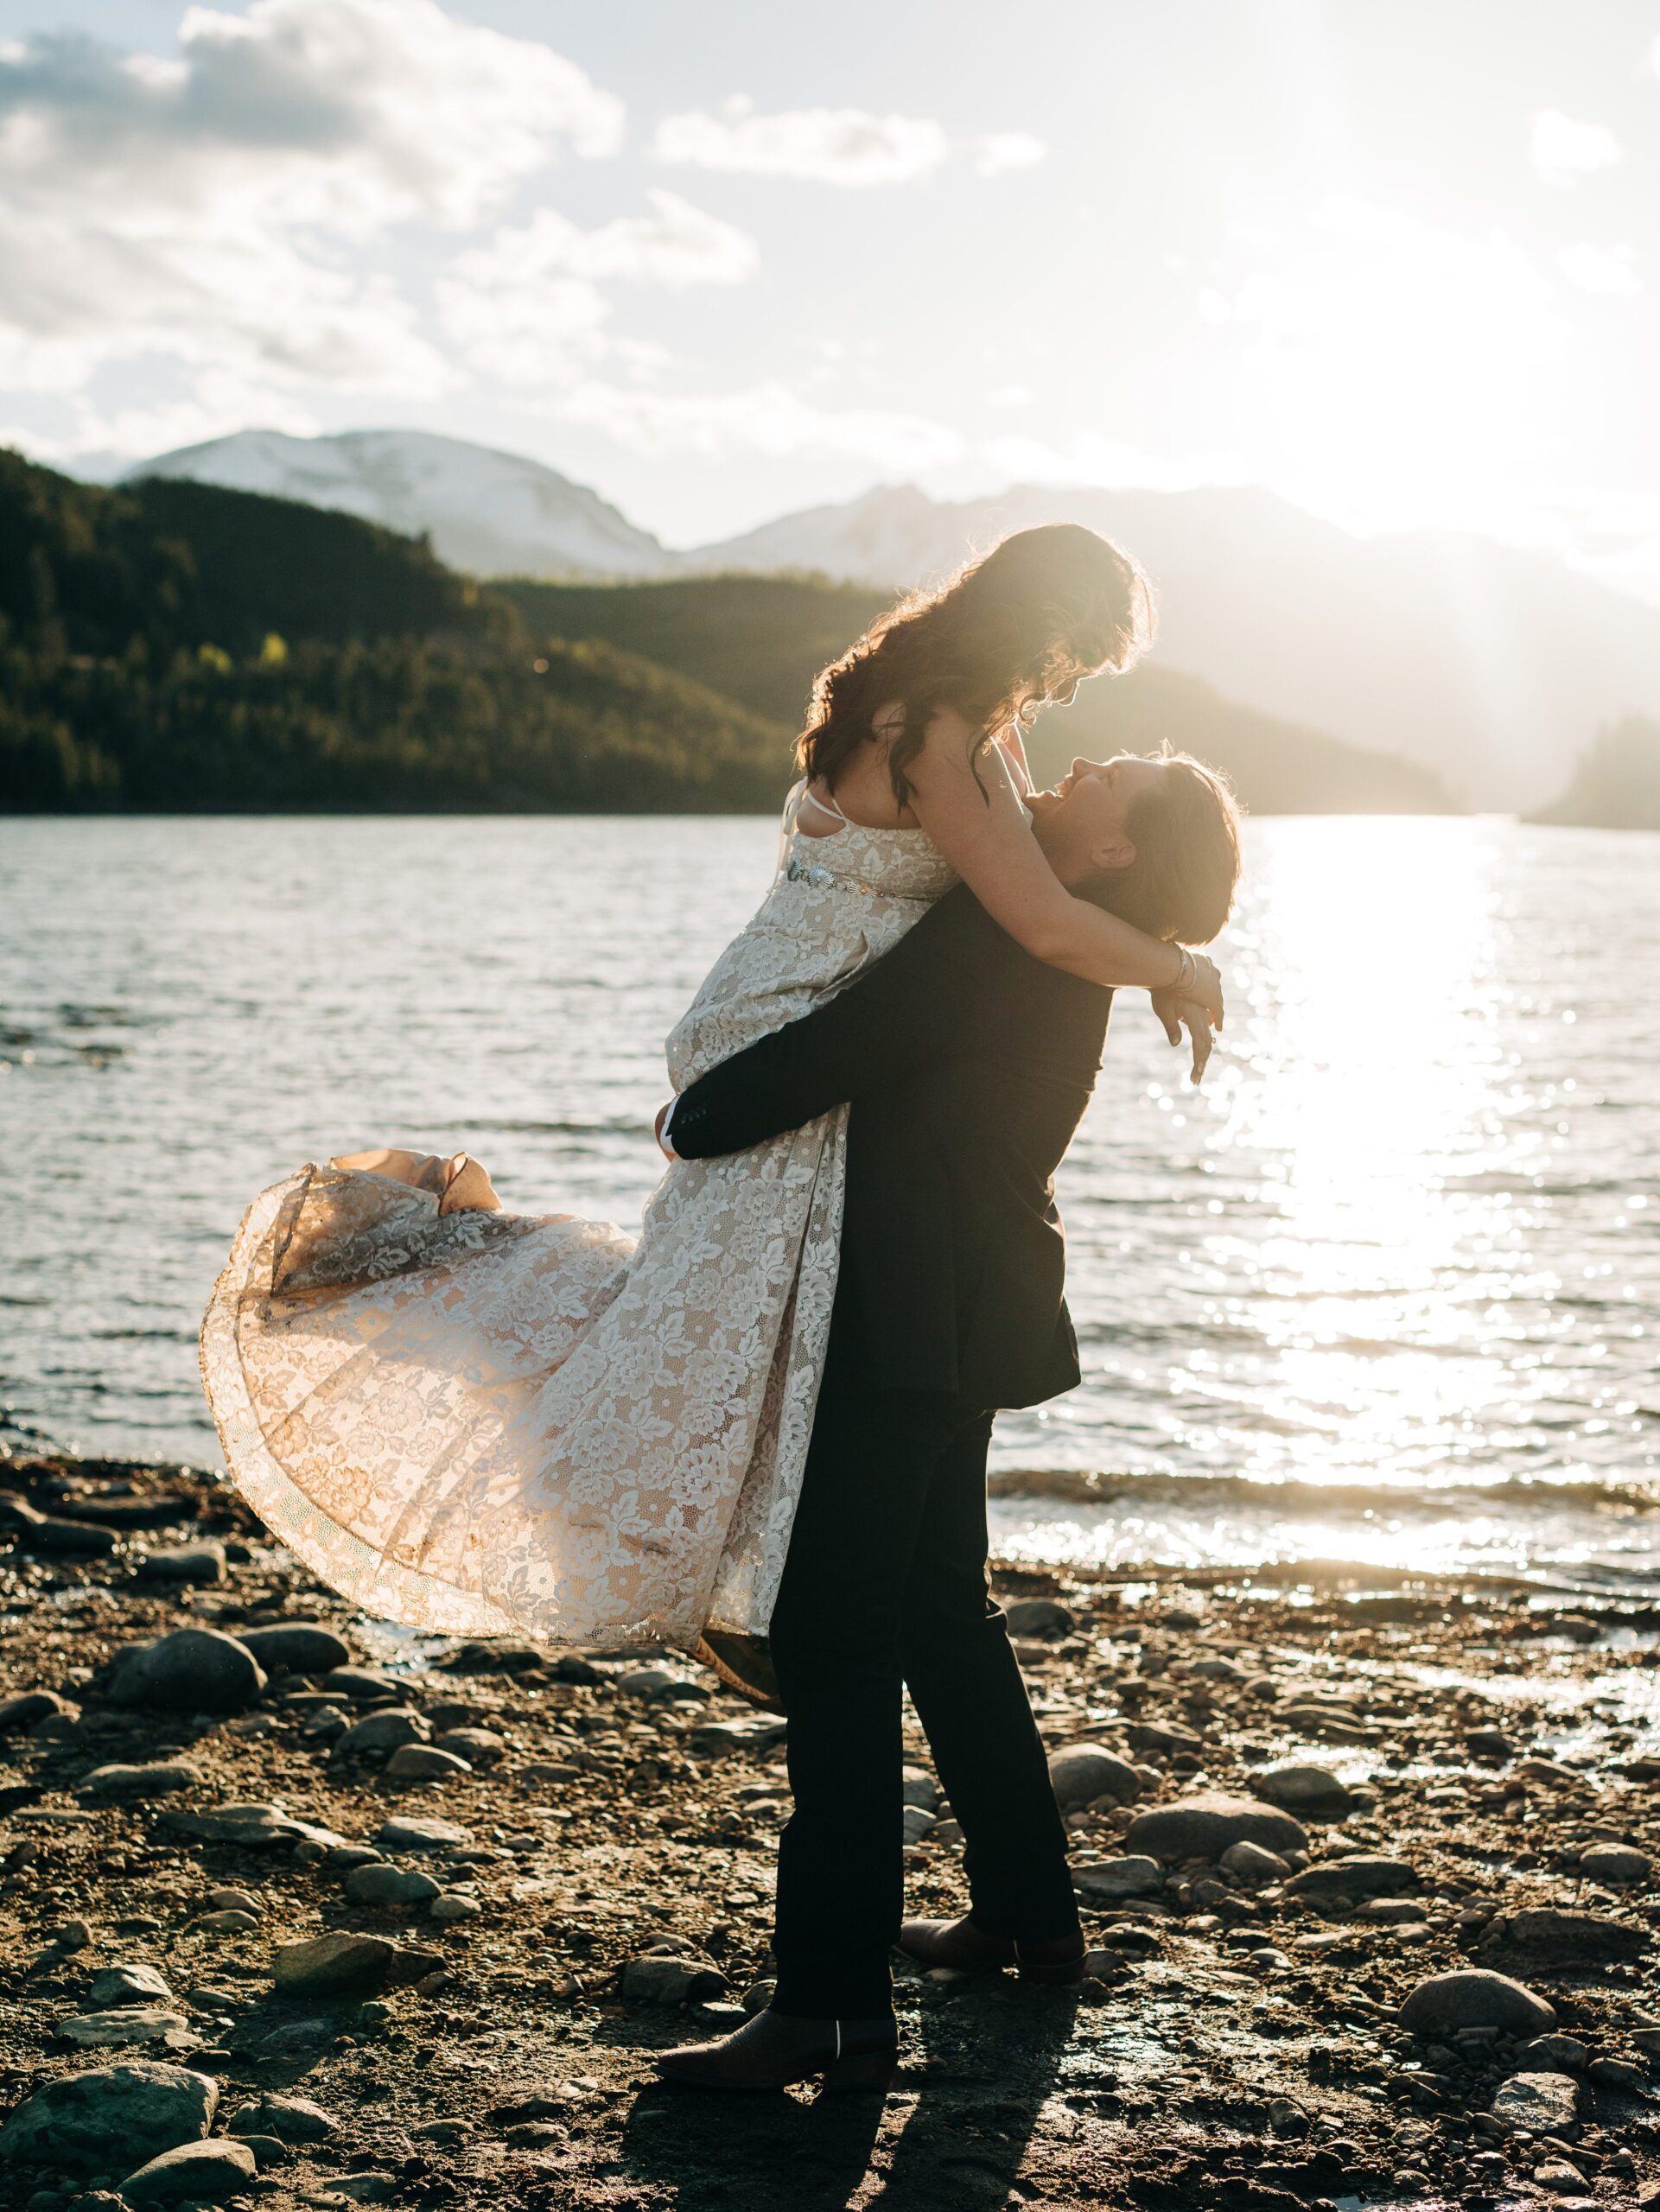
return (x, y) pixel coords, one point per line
(296, 1911)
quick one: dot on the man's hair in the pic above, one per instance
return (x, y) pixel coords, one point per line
(1180, 885)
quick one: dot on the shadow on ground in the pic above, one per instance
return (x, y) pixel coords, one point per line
(951, 2136)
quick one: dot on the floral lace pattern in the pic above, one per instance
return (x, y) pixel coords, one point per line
(479, 1422)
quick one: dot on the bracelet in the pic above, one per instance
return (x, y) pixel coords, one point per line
(1186, 975)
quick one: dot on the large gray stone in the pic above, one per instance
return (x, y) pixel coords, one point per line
(139, 1784)
(192, 1670)
(406, 1832)
(360, 1685)
(335, 1965)
(1356, 1877)
(658, 1978)
(198, 1564)
(377, 1733)
(1079, 1773)
(1203, 1827)
(1615, 1864)
(291, 2120)
(297, 1648)
(123, 2023)
(128, 1984)
(91, 2122)
(1119, 1878)
(398, 1887)
(256, 1827)
(1549, 1938)
(1313, 1790)
(1040, 1617)
(1543, 2104)
(196, 2173)
(1471, 1998)
(425, 1763)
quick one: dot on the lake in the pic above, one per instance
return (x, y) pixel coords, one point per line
(1387, 1289)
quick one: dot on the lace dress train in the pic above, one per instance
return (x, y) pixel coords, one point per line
(480, 1422)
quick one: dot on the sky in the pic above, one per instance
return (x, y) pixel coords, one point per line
(1397, 260)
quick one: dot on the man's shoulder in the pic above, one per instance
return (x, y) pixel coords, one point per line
(961, 920)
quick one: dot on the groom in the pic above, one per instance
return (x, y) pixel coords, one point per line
(968, 1066)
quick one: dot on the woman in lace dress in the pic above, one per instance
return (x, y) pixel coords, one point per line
(475, 1421)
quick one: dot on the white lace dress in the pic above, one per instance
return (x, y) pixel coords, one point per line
(476, 1422)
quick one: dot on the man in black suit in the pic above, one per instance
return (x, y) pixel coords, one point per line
(968, 1066)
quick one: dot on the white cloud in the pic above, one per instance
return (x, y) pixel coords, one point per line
(999, 151)
(1561, 147)
(1091, 458)
(204, 208)
(826, 145)
(765, 418)
(1609, 269)
(528, 308)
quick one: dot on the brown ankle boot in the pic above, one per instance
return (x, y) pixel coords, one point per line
(968, 1949)
(773, 2050)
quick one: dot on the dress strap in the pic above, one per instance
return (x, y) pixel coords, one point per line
(810, 797)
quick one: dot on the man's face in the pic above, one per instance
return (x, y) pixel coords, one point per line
(1083, 825)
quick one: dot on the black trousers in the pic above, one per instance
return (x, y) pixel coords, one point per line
(886, 1582)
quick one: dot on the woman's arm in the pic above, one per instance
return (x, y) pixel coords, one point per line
(993, 849)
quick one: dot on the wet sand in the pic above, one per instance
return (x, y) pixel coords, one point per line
(1417, 1779)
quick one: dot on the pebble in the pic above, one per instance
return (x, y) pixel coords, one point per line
(1488, 1744)
(386, 1886)
(161, 1778)
(198, 1564)
(408, 1834)
(452, 1906)
(1616, 1865)
(662, 1979)
(425, 1763)
(1472, 1998)
(231, 1901)
(1555, 2054)
(1312, 1789)
(335, 1965)
(479, 1746)
(227, 1923)
(120, 2025)
(1203, 1827)
(1557, 2175)
(291, 2120)
(254, 1826)
(1160, 1738)
(1353, 1876)
(360, 1685)
(917, 1822)
(192, 1670)
(91, 2121)
(194, 2173)
(1044, 1618)
(917, 1787)
(1569, 1939)
(1134, 1877)
(389, 1730)
(297, 1648)
(1542, 2104)
(126, 1984)
(1393, 1912)
(1081, 1773)
(1249, 1863)
(18, 1714)
(1620, 2074)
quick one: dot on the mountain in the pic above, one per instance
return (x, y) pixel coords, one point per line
(1491, 666)
(1617, 783)
(176, 647)
(489, 514)
(761, 640)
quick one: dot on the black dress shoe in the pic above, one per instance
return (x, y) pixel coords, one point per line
(968, 1949)
(773, 2050)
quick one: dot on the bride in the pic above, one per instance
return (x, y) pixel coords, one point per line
(477, 1421)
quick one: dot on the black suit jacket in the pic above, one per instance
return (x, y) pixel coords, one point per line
(968, 1066)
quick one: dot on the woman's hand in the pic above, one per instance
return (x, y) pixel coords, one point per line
(1205, 990)
(1178, 1014)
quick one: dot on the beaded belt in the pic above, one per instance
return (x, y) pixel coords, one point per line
(817, 877)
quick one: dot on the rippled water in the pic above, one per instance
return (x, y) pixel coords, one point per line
(1387, 1289)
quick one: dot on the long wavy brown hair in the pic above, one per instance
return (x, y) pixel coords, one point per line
(1011, 631)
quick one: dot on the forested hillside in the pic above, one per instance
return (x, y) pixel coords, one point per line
(763, 638)
(172, 646)
(1617, 784)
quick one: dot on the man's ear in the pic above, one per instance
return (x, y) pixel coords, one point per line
(1114, 852)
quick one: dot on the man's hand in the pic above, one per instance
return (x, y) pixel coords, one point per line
(662, 1113)
(1178, 1014)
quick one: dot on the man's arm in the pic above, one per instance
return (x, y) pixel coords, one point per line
(929, 998)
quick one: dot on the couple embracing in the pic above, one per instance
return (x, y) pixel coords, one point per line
(760, 1431)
